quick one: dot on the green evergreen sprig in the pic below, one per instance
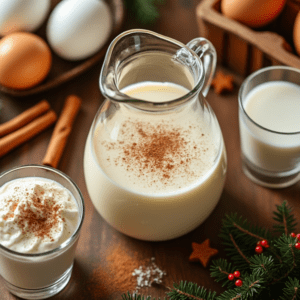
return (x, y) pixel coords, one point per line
(273, 274)
(286, 220)
(291, 289)
(239, 238)
(144, 11)
(190, 290)
(128, 296)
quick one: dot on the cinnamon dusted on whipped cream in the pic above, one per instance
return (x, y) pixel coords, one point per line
(36, 215)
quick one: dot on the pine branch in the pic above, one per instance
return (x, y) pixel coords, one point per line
(251, 287)
(240, 239)
(291, 290)
(263, 266)
(290, 256)
(182, 291)
(190, 291)
(128, 296)
(220, 269)
(238, 249)
(286, 220)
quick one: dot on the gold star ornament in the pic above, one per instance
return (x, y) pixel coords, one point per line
(202, 252)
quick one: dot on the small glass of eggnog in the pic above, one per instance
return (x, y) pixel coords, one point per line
(155, 160)
(269, 114)
(41, 215)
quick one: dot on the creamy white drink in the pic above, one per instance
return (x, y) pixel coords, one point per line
(155, 176)
(37, 215)
(273, 106)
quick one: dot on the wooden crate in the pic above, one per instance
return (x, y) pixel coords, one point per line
(246, 50)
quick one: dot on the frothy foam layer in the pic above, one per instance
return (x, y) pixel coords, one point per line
(36, 215)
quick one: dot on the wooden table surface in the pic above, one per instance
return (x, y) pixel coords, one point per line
(94, 276)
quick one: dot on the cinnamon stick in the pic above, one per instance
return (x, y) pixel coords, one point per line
(24, 118)
(62, 131)
(18, 137)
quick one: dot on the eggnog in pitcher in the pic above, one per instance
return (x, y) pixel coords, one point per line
(154, 177)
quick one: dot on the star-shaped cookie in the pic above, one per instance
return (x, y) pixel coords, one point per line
(222, 83)
(202, 252)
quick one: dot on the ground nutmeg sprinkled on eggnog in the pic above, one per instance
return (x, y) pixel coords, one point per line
(158, 154)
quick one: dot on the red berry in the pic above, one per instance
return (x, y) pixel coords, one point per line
(298, 236)
(236, 274)
(239, 282)
(264, 243)
(267, 246)
(293, 234)
(230, 277)
(297, 246)
(258, 243)
(259, 249)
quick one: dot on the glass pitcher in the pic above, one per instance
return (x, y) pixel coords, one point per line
(155, 160)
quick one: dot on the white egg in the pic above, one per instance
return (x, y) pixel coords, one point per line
(22, 15)
(77, 29)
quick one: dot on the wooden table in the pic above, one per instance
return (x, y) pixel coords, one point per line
(98, 239)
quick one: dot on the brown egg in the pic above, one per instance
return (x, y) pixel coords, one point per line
(25, 60)
(253, 13)
(296, 33)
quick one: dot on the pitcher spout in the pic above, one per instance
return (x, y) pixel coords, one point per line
(144, 56)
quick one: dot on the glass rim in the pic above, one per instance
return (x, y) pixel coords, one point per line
(139, 103)
(248, 79)
(74, 235)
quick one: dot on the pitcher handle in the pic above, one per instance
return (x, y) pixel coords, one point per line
(207, 53)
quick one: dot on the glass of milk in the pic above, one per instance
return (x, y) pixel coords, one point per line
(269, 114)
(155, 160)
(42, 212)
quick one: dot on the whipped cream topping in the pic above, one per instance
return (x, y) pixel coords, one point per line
(36, 215)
